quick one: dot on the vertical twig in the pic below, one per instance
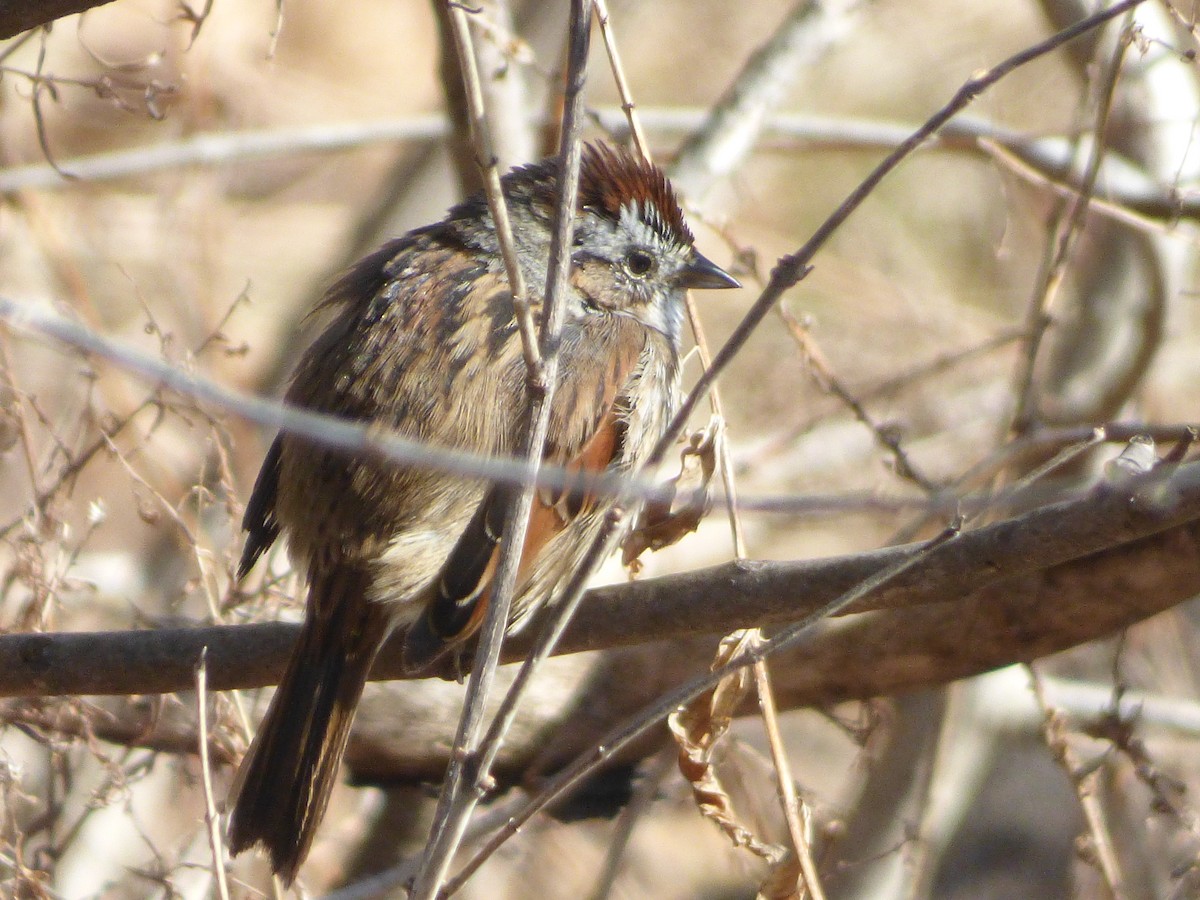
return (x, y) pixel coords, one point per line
(504, 86)
(1070, 226)
(1060, 249)
(787, 785)
(1126, 282)
(643, 150)
(776, 62)
(469, 768)
(41, 84)
(649, 716)
(827, 380)
(640, 143)
(658, 769)
(211, 819)
(481, 139)
(15, 405)
(1104, 853)
(600, 549)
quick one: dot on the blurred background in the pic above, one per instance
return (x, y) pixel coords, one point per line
(188, 180)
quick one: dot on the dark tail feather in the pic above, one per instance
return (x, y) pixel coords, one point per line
(285, 780)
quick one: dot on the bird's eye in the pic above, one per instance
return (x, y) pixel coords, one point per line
(639, 263)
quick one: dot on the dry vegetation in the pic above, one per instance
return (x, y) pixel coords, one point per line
(1001, 293)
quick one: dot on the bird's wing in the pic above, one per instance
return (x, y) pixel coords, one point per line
(259, 520)
(404, 352)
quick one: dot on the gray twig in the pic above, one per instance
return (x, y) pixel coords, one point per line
(488, 162)
(1126, 185)
(467, 770)
(329, 431)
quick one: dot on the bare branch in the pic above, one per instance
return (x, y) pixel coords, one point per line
(219, 148)
(792, 268)
(468, 772)
(1102, 345)
(1126, 186)
(486, 158)
(640, 145)
(212, 819)
(1062, 242)
(1071, 546)
(21, 15)
(328, 430)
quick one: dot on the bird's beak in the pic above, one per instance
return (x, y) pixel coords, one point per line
(704, 274)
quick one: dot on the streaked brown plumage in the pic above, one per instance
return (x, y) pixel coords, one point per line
(423, 341)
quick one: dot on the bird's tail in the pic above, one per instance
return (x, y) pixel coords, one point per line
(286, 778)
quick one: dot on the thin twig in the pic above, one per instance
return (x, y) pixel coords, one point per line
(468, 776)
(787, 786)
(328, 431)
(1066, 234)
(792, 268)
(504, 61)
(485, 156)
(931, 840)
(882, 389)
(827, 380)
(1104, 852)
(722, 446)
(40, 85)
(1006, 496)
(211, 819)
(651, 715)
(656, 772)
(15, 405)
(550, 633)
(640, 145)
(16, 45)
(778, 61)
(643, 149)
(203, 557)
(1067, 191)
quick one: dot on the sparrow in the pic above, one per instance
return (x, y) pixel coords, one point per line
(422, 341)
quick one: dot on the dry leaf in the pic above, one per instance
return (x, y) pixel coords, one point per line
(783, 880)
(698, 729)
(662, 524)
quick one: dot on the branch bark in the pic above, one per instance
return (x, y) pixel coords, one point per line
(988, 587)
(21, 15)
(1013, 591)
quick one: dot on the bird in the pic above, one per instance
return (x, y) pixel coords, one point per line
(422, 341)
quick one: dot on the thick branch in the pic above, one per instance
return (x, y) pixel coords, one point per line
(983, 581)
(21, 15)
(404, 731)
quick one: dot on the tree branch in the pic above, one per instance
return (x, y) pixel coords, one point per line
(21, 15)
(982, 588)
